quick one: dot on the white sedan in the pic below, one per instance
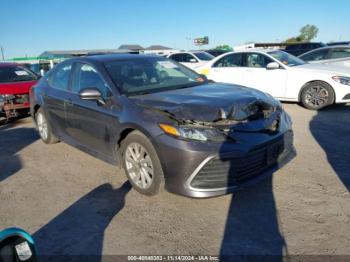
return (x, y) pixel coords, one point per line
(338, 55)
(192, 59)
(283, 76)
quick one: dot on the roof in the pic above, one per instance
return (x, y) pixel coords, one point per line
(70, 53)
(6, 64)
(325, 48)
(157, 47)
(131, 47)
(114, 57)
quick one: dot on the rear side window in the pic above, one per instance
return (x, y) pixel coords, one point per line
(316, 55)
(340, 53)
(183, 58)
(233, 60)
(60, 78)
(16, 74)
(177, 57)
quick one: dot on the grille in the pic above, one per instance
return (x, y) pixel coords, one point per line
(21, 99)
(226, 172)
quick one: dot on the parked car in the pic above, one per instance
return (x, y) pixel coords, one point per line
(163, 123)
(192, 59)
(15, 82)
(339, 43)
(301, 48)
(329, 55)
(283, 76)
(215, 52)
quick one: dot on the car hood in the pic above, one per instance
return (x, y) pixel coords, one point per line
(209, 102)
(325, 69)
(16, 87)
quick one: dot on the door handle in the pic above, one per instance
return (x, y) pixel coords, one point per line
(69, 101)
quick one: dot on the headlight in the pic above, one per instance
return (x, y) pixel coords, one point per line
(344, 80)
(194, 133)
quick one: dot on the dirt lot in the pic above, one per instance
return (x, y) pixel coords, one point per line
(75, 204)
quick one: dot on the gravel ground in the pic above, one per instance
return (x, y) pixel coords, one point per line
(73, 203)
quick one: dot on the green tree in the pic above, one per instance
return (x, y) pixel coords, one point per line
(224, 48)
(307, 33)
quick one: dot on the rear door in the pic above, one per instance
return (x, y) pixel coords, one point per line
(89, 122)
(339, 56)
(55, 95)
(257, 75)
(228, 69)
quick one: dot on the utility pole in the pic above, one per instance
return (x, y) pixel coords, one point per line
(2, 53)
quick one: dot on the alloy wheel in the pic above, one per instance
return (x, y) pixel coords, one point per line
(316, 96)
(42, 126)
(139, 165)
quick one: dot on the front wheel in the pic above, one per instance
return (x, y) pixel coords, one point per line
(317, 95)
(141, 164)
(44, 128)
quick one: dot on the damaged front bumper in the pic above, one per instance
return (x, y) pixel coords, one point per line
(206, 169)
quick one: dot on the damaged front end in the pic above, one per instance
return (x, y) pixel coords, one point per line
(254, 116)
(12, 105)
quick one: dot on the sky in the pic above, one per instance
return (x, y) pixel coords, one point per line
(29, 27)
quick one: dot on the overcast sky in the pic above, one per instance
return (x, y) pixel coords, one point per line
(30, 27)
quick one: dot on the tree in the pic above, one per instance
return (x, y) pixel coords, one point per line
(307, 33)
(224, 48)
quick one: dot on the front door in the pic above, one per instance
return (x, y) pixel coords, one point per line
(256, 75)
(90, 123)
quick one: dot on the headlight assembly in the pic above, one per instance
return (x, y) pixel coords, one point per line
(344, 80)
(194, 133)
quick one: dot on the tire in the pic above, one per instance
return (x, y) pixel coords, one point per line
(317, 95)
(140, 158)
(44, 128)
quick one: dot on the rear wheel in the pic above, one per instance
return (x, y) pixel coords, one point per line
(141, 164)
(44, 128)
(317, 95)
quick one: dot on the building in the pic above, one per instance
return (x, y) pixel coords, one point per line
(134, 48)
(158, 50)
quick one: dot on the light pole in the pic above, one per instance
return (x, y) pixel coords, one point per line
(2, 53)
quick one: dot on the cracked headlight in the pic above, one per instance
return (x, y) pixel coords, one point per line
(194, 133)
(344, 80)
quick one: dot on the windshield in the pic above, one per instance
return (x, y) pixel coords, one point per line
(204, 56)
(151, 74)
(286, 59)
(15, 74)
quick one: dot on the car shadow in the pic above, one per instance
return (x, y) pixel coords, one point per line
(12, 140)
(331, 128)
(252, 230)
(77, 233)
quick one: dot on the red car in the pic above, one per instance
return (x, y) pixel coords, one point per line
(15, 83)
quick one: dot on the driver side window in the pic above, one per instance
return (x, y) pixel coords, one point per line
(85, 76)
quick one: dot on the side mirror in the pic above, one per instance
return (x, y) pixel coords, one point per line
(91, 94)
(272, 66)
(192, 60)
(16, 245)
